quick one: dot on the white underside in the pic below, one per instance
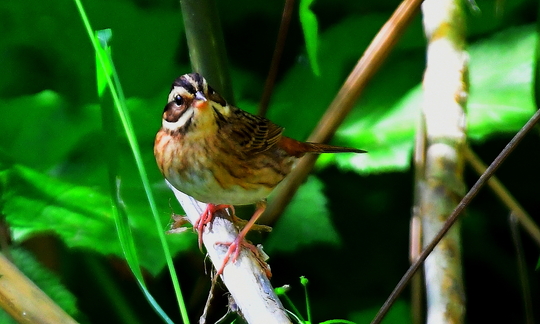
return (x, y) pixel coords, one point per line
(209, 190)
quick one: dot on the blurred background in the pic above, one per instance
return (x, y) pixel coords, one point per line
(346, 229)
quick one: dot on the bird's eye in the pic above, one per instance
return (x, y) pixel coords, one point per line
(178, 100)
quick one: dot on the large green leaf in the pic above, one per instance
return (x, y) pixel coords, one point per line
(501, 101)
(43, 129)
(81, 216)
(51, 52)
(372, 123)
(501, 83)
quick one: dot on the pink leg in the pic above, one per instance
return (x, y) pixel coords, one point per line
(206, 217)
(236, 246)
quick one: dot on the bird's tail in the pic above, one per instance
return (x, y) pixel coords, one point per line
(297, 148)
(326, 148)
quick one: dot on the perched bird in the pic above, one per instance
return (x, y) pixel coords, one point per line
(222, 155)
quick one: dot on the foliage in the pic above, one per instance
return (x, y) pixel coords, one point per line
(347, 227)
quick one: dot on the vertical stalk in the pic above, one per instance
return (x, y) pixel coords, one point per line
(206, 45)
(245, 279)
(441, 182)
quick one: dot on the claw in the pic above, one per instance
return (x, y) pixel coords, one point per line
(235, 247)
(206, 217)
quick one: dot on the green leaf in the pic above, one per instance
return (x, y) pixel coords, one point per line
(501, 76)
(35, 203)
(43, 129)
(501, 101)
(64, 61)
(45, 280)
(305, 222)
(388, 138)
(310, 29)
(376, 123)
(306, 97)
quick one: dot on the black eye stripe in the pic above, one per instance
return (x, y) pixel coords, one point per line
(185, 82)
(192, 83)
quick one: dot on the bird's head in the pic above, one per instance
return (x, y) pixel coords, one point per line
(193, 103)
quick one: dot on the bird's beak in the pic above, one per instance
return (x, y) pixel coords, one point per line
(200, 101)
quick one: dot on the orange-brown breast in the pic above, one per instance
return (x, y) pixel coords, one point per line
(213, 170)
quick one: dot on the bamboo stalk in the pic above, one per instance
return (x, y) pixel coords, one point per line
(442, 186)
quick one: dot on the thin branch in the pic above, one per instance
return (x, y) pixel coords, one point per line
(417, 284)
(505, 196)
(276, 58)
(454, 216)
(415, 231)
(522, 269)
(364, 70)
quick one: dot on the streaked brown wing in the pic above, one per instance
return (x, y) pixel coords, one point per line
(254, 134)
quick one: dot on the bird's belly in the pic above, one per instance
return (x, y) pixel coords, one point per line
(202, 185)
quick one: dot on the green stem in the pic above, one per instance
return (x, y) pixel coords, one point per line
(206, 45)
(126, 123)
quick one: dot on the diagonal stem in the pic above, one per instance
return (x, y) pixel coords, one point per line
(454, 216)
(357, 80)
(505, 196)
(276, 58)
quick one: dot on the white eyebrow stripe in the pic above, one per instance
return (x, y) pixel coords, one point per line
(179, 91)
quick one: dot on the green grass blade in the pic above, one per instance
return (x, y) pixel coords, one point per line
(105, 64)
(310, 27)
(104, 74)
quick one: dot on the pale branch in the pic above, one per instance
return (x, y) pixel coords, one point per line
(441, 181)
(417, 282)
(246, 278)
(522, 269)
(24, 301)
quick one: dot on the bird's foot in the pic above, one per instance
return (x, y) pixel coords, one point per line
(235, 247)
(206, 217)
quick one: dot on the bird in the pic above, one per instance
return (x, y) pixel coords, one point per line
(222, 155)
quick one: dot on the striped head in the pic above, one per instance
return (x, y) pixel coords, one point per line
(193, 104)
